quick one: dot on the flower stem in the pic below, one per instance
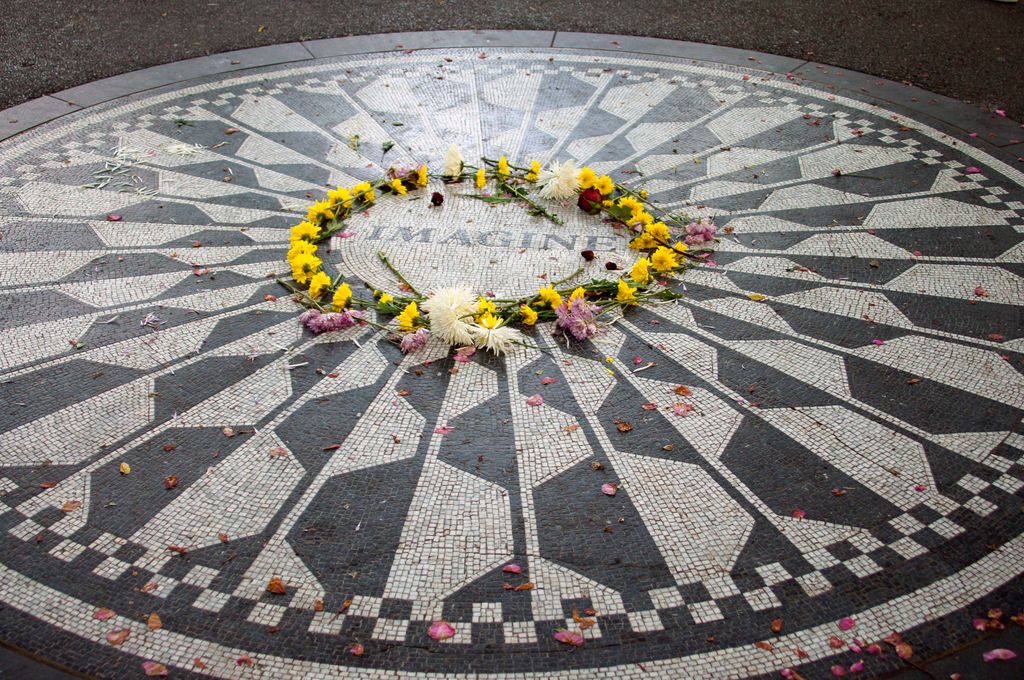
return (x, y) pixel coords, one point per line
(398, 274)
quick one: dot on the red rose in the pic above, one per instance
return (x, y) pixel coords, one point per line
(436, 198)
(590, 201)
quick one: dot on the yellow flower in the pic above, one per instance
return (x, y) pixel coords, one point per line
(340, 196)
(643, 194)
(549, 297)
(385, 298)
(481, 178)
(639, 273)
(631, 203)
(303, 266)
(365, 192)
(607, 204)
(659, 232)
(317, 284)
(304, 231)
(534, 171)
(342, 295)
(421, 176)
(301, 248)
(643, 242)
(406, 320)
(483, 307)
(664, 260)
(503, 167)
(488, 320)
(397, 187)
(605, 185)
(577, 295)
(586, 177)
(626, 294)
(321, 210)
(529, 316)
(681, 247)
(642, 217)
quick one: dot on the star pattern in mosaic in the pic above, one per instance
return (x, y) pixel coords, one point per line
(848, 445)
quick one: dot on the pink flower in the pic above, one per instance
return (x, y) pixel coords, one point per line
(331, 321)
(413, 341)
(577, 317)
(846, 623)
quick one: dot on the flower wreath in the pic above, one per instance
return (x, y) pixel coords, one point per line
(458, 316)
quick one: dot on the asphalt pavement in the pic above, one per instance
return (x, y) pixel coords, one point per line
(971, 50)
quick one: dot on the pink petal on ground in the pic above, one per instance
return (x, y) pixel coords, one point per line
(854, 647)
(1001, 113)
(786, 672)
(444, 429)
(711, 263)
(535, 400)
(999, 654)
(920, 488)
(154, 669)
(916, 253)
(846, 623)
(461, 359)
(904, 650)
(878, 342)
(799, 513)
(467, 351)
(637, 360)
(357, 649)
(440, 630)
(980, 624)
(838, 671)
(996, 337)
(857, 666)
(512, 569)
(972, 134)
(569, 637)
(103, 614)
(609, 489)
(346, 234)
(873, 648)
(547, 380)
(114, 218)
(835, 643)
(972, 170)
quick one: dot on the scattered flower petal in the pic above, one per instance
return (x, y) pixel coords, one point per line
(799, 513)
(535, 400)
(972, 170)
(444, 429)
(154, 669)
(357, 649)
(838, 670)
(103, 614)
(857, 666)
(440, 630)
(999, 654)
(512, 569)
(609, 489)
(835, 643)
(878, 342)
(846, 623)
(547, 380)
(118, 636)
(569, 637)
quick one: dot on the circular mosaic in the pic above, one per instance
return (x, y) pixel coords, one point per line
(174, 442)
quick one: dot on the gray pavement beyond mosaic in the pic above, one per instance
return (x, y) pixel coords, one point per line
(814, 456)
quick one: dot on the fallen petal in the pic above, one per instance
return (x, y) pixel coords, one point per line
(836, 643)
(154, 669)
(118, 636)
(838, 671)
(547, 380)
(799, 513)
(440, 630)
(846, 623)
(972, 170)
(444, 429)
(999, 654)
(609, 489)
(357, 649)
(535, 400)
(512, 569)
(980, 624)
(569, 637)
(103, 614)
(857, 666)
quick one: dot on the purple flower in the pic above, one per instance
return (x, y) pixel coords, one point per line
(331, 321)
(413, 341)
(577, 317)
(700, 232)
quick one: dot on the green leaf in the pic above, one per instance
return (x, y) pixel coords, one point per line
(397, 124)
(353, 142)
(387, 146)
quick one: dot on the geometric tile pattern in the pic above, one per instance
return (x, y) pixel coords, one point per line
(851, 444)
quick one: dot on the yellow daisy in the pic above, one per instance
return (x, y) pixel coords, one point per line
(304, 231)
(640, 273)
(577, 295)
(534, 171)
(529, 316)
(318, 283)
(385, 298)
(664, 260)
(365, 192)
(503, 167)
(548, 296)
(605, 185)
(301, 248)
(303, 267)
(626, 294)
(407, 319)
(681, 247)
(586, 177)
(481, 178)
(342, 295)
(421, 176)
(321, 210)
(340, 196)
(484, 306)
(397, 187)
(659, 232)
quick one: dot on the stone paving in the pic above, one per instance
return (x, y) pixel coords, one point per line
(853, 449)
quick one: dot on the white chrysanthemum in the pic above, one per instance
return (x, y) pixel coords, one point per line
(499, 339)
(558, 180)
(449, 310)
(452, 162)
